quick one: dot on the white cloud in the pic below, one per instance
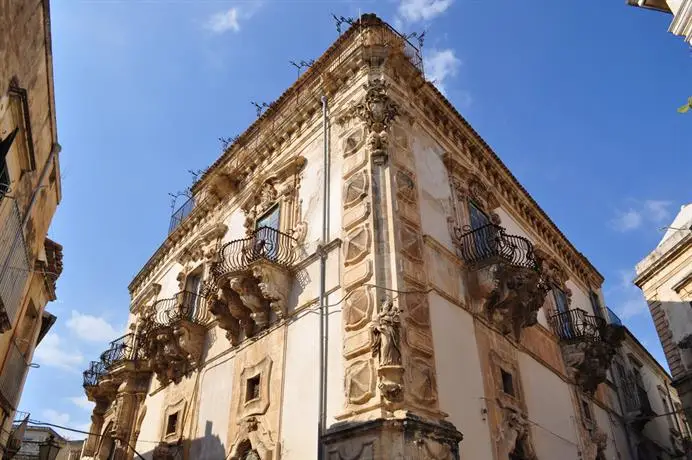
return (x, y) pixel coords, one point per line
(657, 210)
(51, 352)
(439, 65)
(91, 328)
(422, 10)
(628, 300)
(82, 402)
(224, 21)
(229, 20)
(58, 418)
(626, 221)
(651, 211)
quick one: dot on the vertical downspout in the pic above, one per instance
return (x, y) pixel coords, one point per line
(324, 338)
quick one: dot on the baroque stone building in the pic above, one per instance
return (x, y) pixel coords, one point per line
(359, 276)
(30, 263)
(680, 9)
(665, 277)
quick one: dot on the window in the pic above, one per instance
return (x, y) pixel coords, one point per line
(252, 388)
(477, 218)
(666, 408)
(172, 424)
(266, 233)
(595, 304)
(193, 287)
(507, 382)
(561, 302)
(5, 145)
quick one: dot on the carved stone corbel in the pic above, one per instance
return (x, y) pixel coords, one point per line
(587, 361)
(514, 429)
(231, 314)
(274, 284)
(175, 350)
(251, 298)
(511, 296)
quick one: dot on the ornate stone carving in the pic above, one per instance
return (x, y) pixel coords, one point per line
(175, 350)
(355, 189)
(357, 245)
(595, 444)
(249, 294)
(588, 360)
(411, 245)
(423, 384)
(357, 309)
(386, 333)
(274, 284)
(353, 142)
(405, 186)
(167, 451)
(511, 296)
(360, 382)
(514, 429)
(377, 110)
(252, 441)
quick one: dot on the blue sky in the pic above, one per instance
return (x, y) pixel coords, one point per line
(578, 98)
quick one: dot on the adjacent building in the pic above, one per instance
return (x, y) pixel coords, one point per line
(665, 277)
(680, 9)
(30, 263)
(649, 410)
(359, 276)
(35, 436)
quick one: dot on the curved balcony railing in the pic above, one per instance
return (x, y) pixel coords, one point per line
(577, 325)
(96, 370)
(122, 349)
(265, 243)
(490, 243)
(185, 305)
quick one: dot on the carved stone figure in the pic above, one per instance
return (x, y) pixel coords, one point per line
(588, 360)
(386, 335)
(250, 297)
(274, 284)
(514, 430)
(513, 296)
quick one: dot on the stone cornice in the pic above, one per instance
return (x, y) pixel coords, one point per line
(469, 144)
(660, 256)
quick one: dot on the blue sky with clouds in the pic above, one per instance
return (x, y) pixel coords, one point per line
(578, 98)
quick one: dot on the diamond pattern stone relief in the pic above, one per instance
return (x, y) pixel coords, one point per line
(358, 309)
(357, 245)
(355, 189)
(360, 382)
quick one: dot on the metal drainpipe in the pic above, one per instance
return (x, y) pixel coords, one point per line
(324, 335)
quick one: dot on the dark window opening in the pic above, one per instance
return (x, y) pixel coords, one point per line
(519, 452)
(172, 424)
(507, 382)
(5, 145)
(586, 410)
(252, 388)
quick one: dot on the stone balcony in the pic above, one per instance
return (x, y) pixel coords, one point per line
(588, 345)
(251, 281)
(505, 276)
(124, 356)
(173, 332)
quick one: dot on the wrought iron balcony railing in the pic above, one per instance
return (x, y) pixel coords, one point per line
(185, 305)
(122, 349)
(180, 214)
(93, 374)
(577, 325)
(490, 244)
(265, 243)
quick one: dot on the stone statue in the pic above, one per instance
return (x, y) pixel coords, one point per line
(386, 335)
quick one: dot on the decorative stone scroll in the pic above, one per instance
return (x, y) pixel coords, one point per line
(175, 350)
(512, 296)
(588, 361)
